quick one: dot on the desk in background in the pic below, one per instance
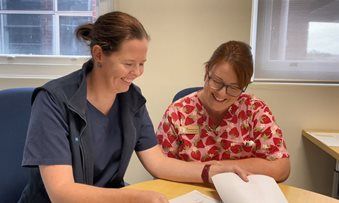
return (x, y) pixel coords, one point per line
(329, 143)
(173, 189)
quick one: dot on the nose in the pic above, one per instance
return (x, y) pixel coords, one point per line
(138, 70)
(222, 92)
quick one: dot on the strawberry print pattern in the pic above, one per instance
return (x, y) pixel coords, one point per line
(248, 129)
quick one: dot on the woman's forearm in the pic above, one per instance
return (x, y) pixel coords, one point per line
(60, 186)
(278, 169)
(173, 169)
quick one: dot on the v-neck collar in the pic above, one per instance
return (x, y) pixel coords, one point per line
(113, 108)
(230, 112)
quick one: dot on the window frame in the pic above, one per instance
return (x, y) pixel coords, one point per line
(299, 71)
(47, 66)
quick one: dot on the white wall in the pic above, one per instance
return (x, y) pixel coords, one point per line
(184, 33)
(12, 83)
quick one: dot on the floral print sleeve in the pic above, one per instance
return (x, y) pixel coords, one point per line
(269, 142)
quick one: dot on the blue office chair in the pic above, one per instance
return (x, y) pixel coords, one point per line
(185, 92)
(15, 109)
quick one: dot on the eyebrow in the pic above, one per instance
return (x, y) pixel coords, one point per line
(131, 60)
(221, 80)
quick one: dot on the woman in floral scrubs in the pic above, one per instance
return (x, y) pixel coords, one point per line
(221, 124)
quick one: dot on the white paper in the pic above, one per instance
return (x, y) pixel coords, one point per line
(194, 197)
(329, 139)
(260, 189)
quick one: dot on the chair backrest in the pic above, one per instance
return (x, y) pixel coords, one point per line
(185, 92)
(15, 109)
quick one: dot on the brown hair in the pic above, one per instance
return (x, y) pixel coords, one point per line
(238, 55)
(110, 30)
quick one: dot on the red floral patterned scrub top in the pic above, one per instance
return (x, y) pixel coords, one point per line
(248, 129)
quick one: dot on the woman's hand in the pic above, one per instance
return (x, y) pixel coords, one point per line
(218, 167)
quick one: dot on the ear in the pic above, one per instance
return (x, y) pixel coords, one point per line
(206, 73)
(97, 53)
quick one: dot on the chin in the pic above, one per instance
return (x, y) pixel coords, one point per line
(124, 89)
(121, 89)
(219, 106)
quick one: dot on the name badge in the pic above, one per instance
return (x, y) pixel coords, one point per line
(190, 129)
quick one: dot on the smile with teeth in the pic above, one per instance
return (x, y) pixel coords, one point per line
(128, 80)
(218, 99)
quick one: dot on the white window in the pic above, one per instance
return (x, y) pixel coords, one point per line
(296, 40)
(37, 36)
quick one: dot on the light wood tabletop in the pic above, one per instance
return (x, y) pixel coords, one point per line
(173, 189)
(313, 135)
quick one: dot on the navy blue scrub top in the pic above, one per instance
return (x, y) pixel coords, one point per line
(51, 147)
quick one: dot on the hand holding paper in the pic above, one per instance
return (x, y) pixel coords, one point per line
(259, 189)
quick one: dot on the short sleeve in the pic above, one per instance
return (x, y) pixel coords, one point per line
(268, 138)
(166, 133)
(46, 142)
(146, 136)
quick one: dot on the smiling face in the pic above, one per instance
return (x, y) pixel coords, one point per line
(217, 100)
(117, 71)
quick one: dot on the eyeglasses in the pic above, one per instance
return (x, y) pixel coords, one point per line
(231, 90)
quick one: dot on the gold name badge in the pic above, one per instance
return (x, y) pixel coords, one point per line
(190, 129)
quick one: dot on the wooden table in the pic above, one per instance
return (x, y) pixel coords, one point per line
(315, 137)
(173, 189)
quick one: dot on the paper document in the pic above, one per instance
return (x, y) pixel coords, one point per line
(194, 197)
(260, 189)
(329, 139)
(232, 189)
